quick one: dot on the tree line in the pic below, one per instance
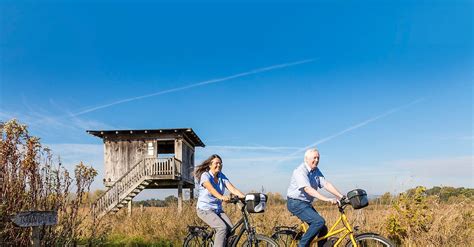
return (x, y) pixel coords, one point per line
(445, 194)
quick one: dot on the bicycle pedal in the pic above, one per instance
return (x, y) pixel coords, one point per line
(330, 242)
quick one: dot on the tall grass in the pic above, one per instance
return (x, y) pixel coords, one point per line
(451, 224)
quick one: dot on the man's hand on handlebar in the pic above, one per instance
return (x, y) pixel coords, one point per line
(333, 201)
(343, 201)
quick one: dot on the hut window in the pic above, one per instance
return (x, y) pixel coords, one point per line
(165, 149)
(150, 149)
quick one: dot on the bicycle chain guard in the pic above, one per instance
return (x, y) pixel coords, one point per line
(278, 228)
(200, 231)
(230, 240)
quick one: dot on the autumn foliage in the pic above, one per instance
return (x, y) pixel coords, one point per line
(31, 180)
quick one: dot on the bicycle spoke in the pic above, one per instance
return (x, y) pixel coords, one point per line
(260, 241)
(284, 237)
(198, 242)
(284, 240)
(371, 240)
(370, 243)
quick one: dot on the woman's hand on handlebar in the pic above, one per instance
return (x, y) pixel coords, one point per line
(235, 199)
(225, 198)
(231, 198)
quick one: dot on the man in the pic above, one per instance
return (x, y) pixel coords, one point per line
(304, 185)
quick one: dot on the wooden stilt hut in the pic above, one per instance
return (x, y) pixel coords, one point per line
(145, 159)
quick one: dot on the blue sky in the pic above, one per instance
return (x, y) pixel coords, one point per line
(384, 88)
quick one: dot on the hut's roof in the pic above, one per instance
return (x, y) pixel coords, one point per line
(188, 133)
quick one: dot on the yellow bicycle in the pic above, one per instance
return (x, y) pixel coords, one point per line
(340, 234)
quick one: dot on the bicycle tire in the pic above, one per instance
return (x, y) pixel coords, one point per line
(262, 241)
(370, 239)
(193, 240)
(284, 238)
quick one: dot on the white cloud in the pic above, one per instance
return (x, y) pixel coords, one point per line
(464, 138)
(252, 148)
(90, 154)
(251, 168)
(246, 170)
(399, 175)
(44, 123)
(356, 126)
(457, 167)
(198, 84)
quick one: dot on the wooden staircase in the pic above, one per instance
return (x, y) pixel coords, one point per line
(134, 181)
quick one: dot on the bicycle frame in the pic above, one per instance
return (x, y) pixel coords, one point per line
(242, 226)
(346, 229)
(244, 222)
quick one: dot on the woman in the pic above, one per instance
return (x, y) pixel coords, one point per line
(212, 185)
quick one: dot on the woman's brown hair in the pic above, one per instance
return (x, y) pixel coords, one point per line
(204, 166)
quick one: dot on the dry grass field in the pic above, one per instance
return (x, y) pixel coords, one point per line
(30, 179)
(449, 224)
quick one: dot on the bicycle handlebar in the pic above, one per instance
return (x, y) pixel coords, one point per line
(343, 201)
(236, 199)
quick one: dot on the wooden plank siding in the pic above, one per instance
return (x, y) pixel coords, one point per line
(120, 156)
(188, 162)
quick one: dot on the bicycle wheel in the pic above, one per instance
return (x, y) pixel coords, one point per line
(284, 238)
(261, 241)
(193, 240)
(369, 240)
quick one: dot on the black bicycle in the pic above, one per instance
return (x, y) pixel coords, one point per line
(202, 236)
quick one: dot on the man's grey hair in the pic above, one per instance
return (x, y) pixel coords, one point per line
(310, 151)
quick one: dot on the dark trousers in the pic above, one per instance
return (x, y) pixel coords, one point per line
(305, 212)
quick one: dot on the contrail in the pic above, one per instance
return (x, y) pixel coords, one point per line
(251, 72)
(356, 126)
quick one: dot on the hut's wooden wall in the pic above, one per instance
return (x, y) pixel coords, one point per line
(120, 156)
(188, 161)
(185, 152)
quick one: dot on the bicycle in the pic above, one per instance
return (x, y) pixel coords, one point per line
(289, 236)
(202, 236)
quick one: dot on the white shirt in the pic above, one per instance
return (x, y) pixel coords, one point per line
(206, 201)
(302, 177)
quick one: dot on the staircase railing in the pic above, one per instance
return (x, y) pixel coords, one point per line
(144, 168)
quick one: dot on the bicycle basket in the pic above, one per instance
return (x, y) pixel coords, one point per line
(256, 202)
(358, 198)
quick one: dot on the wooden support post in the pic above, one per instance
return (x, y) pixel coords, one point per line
(36, 220)
(36, 236)
(191, 193)
(129, 208)
(180, 197)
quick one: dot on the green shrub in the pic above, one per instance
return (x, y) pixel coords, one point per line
(412, 215)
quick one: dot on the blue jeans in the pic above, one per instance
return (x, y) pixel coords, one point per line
(305, 212)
